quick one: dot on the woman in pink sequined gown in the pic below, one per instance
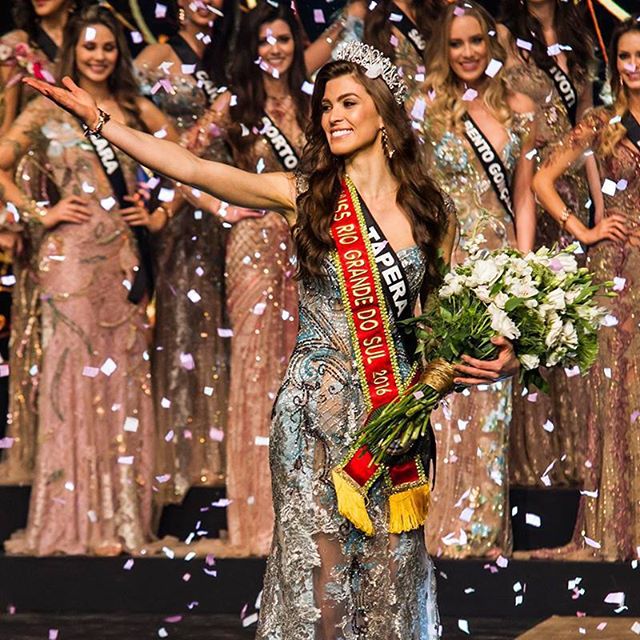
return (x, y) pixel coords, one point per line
(608, 526)
(92, 488)
(262, 295)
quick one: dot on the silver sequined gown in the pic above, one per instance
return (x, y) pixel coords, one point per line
(326, 580)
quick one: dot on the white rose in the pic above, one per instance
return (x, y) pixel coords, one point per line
(556, 299)
(555, 330)
(482, 293)
(523, 289)
(502, 324)
(569, 335)
(485, 272)
(501, 299)
(529, 361)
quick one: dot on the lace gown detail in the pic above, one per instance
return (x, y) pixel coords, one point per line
(532, 447)
(610, 506)
(324, 578)
(191, 348)
(469, 514)
(94, 465)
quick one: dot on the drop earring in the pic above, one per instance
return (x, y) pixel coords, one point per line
(182, 16)
(386, 145)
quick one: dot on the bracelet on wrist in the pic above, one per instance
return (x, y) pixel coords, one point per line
(103, 118)
(564, 216)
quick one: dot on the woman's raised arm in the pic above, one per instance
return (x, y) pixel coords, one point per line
(265, 191)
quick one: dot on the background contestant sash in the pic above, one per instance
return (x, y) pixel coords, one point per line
(379, 375)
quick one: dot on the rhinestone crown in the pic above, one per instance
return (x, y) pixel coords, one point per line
(375, 65)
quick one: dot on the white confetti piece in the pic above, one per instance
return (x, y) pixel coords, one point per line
(469, 95)
(532, 519)
(131, 424)
(160, 11)
(187, 362)
(194, 296)
(463, 625)
(524, 44)
(592, 543)
(108, 203)
(125, 460)
(467, 514)
(619, 283)
(208, 391)
(225, 333)
(249, 620)
(89, 34)
(166, 195)
(609, 187)
(615, 597)
(163, 633)
(69, 486)
(493, 67)
(609, 321)
(90, 372)
(128, 565)
(502, 562)
(108, 367)
(548, 426)
(168, 552)
(307, 87)
(635, 627)
(262, 441)
(217, 435)
(165, 403)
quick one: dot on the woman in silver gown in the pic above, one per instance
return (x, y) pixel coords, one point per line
(326, 579)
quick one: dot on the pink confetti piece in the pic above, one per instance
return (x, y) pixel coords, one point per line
(160, 11)
(128, 565)
(318, 16)
(187, 362)
(6, 443)
(469, 95)
(136, 37)
(4, 370)
(53, 634)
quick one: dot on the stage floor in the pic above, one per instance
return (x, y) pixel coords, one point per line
(197, 627)
(563, 628)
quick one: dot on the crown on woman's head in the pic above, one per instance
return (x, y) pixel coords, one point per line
(375, 65)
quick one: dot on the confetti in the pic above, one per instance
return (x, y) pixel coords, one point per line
(131, 424)
(533, 519)
(493, 67)
(469, 95)
(89, 34)
(108, 367)
(194, 296)
(463, 625)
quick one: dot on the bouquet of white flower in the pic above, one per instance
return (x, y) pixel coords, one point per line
(543, 302)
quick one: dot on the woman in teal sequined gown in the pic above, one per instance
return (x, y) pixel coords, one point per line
(325, 579)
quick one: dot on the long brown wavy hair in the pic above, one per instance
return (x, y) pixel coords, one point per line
(447, 110)
(570, 25)
(377, 26)
(418, 195)
(616, 132)
(247, 77)
(121, 82)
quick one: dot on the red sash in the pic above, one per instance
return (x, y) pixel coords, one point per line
(379, 375)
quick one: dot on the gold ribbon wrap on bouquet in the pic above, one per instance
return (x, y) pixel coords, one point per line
(439, 375)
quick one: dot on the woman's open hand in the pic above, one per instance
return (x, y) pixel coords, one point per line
(475, 372)
(73, 99)
(136, 215)
(73, 209)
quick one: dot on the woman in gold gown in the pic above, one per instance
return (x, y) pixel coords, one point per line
(470, 511)
(608, 526)
(546, 439)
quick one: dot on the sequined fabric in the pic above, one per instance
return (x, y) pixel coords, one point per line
(608, 525)
(16, 466)
(546, 430)
(190, 360)
(324, 578)
(469, 514)
(262, 306)
(95, 438)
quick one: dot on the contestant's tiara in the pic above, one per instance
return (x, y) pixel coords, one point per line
(375, 65)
